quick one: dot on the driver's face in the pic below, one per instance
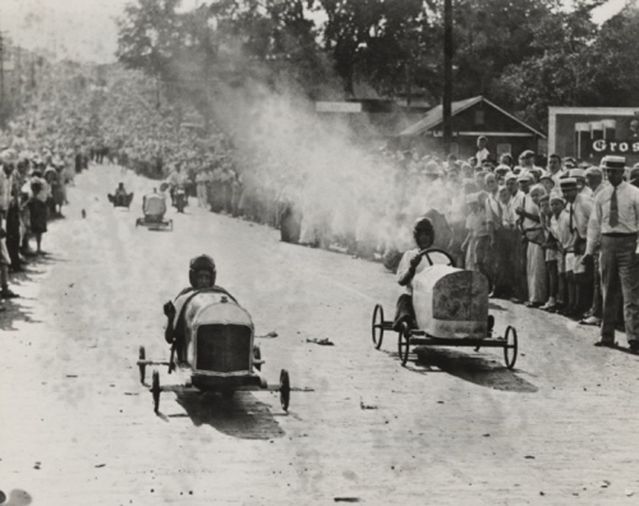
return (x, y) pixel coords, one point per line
(203, 279)
(424, 239)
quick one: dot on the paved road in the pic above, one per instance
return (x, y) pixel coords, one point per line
(456, 427)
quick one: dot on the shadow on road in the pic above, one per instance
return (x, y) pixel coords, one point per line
(242, 416)
(492, 305)
(469, 366)
(15, 311)
(19, 309)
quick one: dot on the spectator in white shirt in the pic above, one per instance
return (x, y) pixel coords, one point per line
(614, 224)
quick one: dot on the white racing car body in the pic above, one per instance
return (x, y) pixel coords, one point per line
(451, 303)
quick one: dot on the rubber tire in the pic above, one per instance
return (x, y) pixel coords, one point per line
(155, 391)
(403, 344)
(285, 389)
(510, 361)
(142, 367)
(379, 310)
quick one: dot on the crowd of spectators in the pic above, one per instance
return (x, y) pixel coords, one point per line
(33, 186)
(550, 237)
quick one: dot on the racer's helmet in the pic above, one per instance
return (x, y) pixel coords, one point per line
(201, 263)
(423, 225)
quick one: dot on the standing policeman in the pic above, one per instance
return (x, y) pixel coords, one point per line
(615, 222)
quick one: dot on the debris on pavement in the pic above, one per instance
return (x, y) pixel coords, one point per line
(271, 335)
(362, 405)
(322, 342)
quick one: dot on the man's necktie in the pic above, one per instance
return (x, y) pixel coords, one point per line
(570, 222)
(613, 217)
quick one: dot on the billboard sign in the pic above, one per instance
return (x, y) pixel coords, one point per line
(589, 133)
(616, 147)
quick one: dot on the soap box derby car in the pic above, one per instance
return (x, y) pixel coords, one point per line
(451, 309)
(120, 199)
(154, 208)
(217, 351)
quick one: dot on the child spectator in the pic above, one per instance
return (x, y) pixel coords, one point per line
(551, 254)
(480, 235)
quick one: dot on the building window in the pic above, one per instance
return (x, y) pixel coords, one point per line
(479, 117)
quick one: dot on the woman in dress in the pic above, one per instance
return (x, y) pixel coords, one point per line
(38, 212)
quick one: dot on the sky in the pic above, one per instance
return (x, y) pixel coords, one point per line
(85, 30)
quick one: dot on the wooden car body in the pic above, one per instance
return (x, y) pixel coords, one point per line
(451, 302)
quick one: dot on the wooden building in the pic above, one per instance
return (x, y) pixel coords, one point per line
(372, 121)
(471, 118)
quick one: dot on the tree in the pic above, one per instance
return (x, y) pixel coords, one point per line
(569, 69)
(375, 40)
(149, 34)
(612, 61)
(490, 35)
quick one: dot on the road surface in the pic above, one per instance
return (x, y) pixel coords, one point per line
(456, 427)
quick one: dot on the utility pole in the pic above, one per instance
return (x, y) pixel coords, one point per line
(1, 70)
(448, 75)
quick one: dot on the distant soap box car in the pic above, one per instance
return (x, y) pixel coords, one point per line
(451, 309)
(154, 209)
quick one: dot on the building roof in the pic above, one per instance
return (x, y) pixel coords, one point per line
(435, 117)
